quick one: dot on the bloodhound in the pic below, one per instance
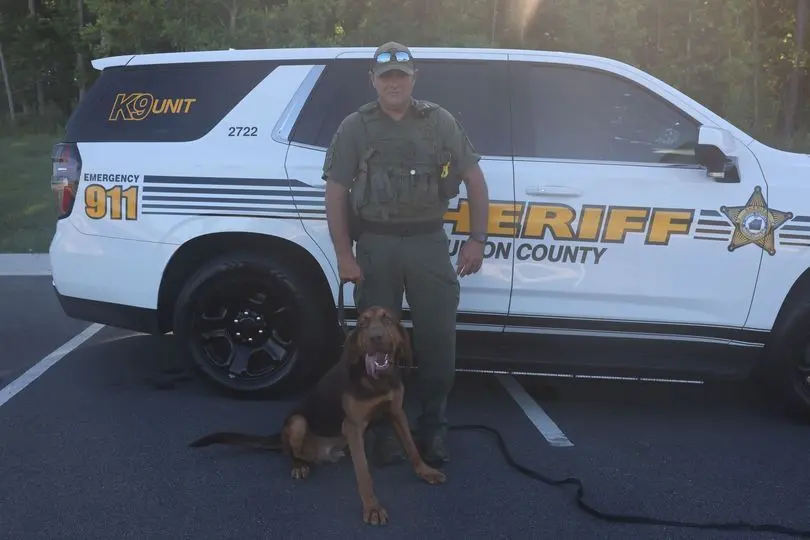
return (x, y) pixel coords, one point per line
(363, 386)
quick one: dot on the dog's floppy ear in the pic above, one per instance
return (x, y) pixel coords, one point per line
(404, 349)
(351, 348)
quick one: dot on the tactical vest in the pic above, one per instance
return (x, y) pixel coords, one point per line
(404, 177)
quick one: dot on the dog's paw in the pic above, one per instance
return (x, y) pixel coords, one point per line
(431, 475)
(300, 471)
(374, 514)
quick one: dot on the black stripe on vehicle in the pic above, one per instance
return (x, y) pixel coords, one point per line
(210, 199)
(696, 330)
(805, 228)
(276, 213)
(802, 219)
(224, 180)
(795, 236)
(718, 238)
(247, 209)
(713, 213)
(714, 223)
(273, 214)
(182, 190)
(602, 325)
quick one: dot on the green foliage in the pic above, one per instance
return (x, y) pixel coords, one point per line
(738, 57)
(28, 218)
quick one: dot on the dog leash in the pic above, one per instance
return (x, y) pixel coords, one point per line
(620, 518)
(341, 310)
(614, 518)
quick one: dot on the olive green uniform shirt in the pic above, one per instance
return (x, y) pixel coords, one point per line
(344, 153)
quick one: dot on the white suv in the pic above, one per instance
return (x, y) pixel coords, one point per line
(632, 231)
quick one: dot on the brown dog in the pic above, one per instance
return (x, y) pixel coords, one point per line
(364, 385)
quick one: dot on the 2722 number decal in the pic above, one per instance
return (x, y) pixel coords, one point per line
(242, 131)
(114, 202)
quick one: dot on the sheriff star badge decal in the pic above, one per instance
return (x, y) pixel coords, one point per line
(755, 223)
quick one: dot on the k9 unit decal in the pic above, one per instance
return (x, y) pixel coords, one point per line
(137, 106)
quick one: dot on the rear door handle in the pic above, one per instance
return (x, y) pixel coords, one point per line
(554, 191)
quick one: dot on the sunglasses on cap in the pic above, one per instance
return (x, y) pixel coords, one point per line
(393, 56)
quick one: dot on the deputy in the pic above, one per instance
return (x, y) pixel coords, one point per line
(391, 169)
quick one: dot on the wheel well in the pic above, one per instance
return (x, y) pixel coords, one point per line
(799, 290)
(191, 255)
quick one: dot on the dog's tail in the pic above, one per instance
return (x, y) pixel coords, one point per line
(261, 442)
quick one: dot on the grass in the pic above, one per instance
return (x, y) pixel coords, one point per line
(27, 212)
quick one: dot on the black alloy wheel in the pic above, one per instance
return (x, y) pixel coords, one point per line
(801, 375)
(250, 323)
(243, 329)
(787, 365)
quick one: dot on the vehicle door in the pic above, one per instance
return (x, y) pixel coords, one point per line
(623, 233)
(473, 91)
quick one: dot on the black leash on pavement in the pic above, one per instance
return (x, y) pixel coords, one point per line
(614, 518)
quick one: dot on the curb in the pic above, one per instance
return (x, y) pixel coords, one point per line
(25, 264)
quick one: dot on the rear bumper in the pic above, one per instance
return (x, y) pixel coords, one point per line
(132, 318)
(111, 281)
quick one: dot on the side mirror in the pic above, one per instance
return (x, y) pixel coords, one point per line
(716, 150)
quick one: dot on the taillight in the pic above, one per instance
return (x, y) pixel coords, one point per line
(67, 167)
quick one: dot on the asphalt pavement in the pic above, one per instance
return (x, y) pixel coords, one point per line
(96, 447)
(32, 324)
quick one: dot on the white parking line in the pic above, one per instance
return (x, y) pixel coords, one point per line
(544, 424)
(33, 373)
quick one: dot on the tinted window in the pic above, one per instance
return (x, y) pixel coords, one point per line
(169, 102)
(472, 91)
(578, 113)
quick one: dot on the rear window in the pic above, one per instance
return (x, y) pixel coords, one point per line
(163, 103)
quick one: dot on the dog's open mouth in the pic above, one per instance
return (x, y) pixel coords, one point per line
(377, 362)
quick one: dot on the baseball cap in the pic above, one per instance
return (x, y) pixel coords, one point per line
(392, 55)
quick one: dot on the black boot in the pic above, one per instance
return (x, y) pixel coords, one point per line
(434, 447)
(433, 429)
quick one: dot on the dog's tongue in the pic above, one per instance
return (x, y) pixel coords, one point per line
(374, 363)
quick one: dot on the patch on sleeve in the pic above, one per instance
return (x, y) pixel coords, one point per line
(464, 136)
(327, 160)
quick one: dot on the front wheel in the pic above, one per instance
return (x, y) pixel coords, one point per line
(789, 359)
(251, 323)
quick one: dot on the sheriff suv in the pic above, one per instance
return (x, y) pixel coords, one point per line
(632, 232)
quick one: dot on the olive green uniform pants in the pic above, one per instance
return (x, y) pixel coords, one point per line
(419, 266)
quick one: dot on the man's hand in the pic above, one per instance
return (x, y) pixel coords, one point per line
(349, 270)
(337, 217)
(472, 254)
(471, 258)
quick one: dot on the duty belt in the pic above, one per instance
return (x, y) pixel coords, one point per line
(398, 229)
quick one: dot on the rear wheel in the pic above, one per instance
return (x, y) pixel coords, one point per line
(251, 323)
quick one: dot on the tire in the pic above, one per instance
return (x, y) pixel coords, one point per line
(788, 362)
(246, 301)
